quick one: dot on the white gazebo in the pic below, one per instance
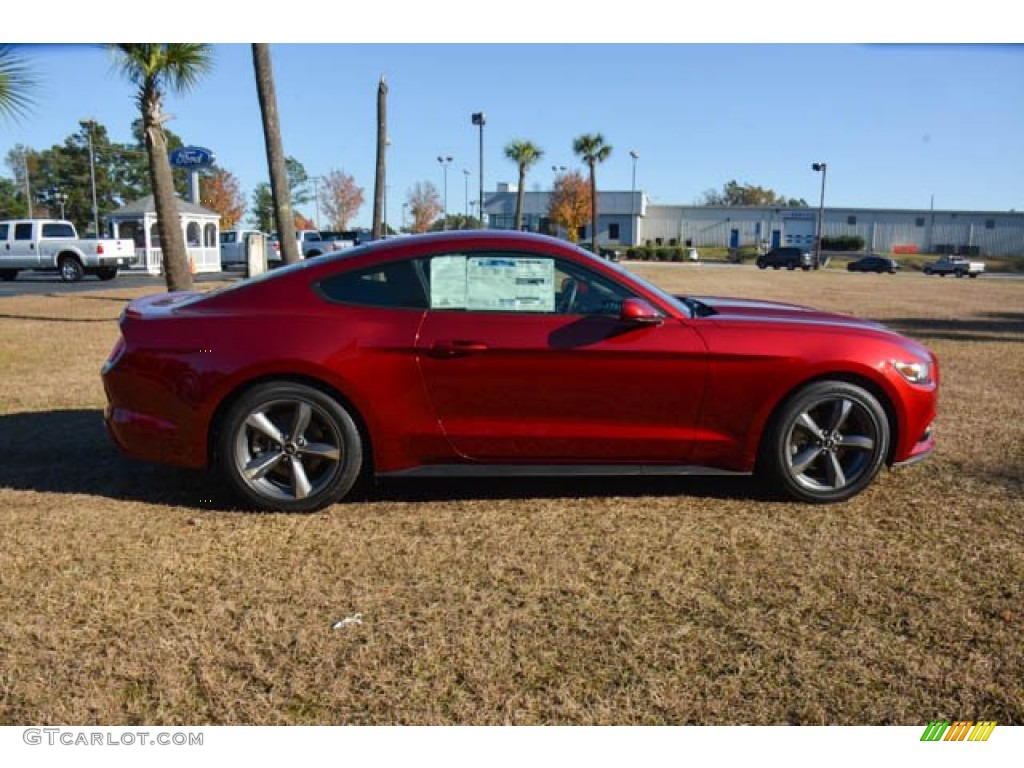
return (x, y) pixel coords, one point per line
(199, 226)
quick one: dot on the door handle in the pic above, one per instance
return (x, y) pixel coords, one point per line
(456, 348)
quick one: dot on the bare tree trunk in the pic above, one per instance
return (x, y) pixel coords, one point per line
(279, 189)
(168, 222)
(593, 207)
(380, 182)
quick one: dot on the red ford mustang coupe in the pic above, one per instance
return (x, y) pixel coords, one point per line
(500, 353)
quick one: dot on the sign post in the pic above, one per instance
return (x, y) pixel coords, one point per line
(192, 159)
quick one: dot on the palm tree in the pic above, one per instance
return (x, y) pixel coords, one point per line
(524, 154)
(16, 80)
(280, 189)
(592, 150)
(154, 67)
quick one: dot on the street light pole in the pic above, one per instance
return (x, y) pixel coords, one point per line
(465, 173)
(92, 177)
(632, 198)
(445, 161)
(823, 168)
(480, 119)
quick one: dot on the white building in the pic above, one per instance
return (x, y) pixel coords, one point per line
(628, 219)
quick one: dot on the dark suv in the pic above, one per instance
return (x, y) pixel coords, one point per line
(788, 257)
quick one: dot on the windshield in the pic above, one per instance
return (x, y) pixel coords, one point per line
(686, 306)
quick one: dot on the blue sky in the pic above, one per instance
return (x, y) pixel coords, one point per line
(897, 124)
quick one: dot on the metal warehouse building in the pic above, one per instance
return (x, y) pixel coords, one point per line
(628, 218)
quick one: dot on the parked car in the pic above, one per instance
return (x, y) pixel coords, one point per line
(954, 265)
(874, 263)
(506, 353)
(53, 245)
(233, 245)
(788, 257)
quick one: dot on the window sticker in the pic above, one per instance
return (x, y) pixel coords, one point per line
(511, 284)
(495, 283)
(448, 282)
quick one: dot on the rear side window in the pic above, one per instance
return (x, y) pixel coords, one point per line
(4, 229)
(396, 285)
(58, 230)
(23, 231)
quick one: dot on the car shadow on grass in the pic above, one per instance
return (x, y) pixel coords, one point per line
(69, 452)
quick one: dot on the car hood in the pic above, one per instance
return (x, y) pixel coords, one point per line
(727, 309)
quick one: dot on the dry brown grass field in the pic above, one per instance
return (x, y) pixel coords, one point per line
(134, 594)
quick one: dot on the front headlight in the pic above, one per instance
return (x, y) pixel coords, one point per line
(916, 372)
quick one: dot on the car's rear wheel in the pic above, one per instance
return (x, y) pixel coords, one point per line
(826, 443)
(71, 270)
(289, 447)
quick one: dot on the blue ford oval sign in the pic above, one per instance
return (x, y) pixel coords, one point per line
(191, 157)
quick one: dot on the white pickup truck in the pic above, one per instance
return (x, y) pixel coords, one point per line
(53, 245)
(954, 265)
(311, 244)
(232, 246)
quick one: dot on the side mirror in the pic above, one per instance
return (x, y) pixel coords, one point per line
(639, 312)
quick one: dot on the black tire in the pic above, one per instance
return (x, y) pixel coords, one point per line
(272, 468)
(8, 274)
(71, 270)
(972, 274)
(762, 266)
(959, 273)
(825, 443)
(106, 273)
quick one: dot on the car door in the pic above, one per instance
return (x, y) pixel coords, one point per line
(526, 360)
(6, 257)
(24, 253)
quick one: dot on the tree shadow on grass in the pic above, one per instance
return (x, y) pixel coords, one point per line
(989, 326)
(69, 452)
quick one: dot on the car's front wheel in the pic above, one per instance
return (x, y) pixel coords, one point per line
(289, 447)
(825, 443)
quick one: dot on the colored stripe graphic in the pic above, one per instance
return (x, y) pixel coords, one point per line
(959, 730)
(982, 731)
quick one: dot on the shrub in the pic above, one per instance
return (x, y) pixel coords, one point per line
(843, 243)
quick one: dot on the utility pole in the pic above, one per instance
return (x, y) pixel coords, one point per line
(92, 178)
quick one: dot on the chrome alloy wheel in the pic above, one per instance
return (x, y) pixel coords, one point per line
(288, 449)
(832, 443)
(825, 443)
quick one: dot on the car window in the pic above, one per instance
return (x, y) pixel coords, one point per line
(397, 284)
(23, 231)
(3, 231)
(58, 230)
(519, 282)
